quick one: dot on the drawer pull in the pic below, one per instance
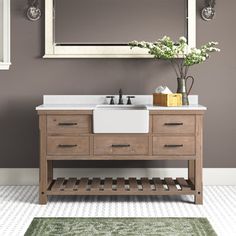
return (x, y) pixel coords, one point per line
(120, 145)
(175, 123)
(173, 145)
(67, 124)
(67, 145)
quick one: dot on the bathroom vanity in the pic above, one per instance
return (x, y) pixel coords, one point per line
(67, 132)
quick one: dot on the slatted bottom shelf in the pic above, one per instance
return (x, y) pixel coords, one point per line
(121, 186)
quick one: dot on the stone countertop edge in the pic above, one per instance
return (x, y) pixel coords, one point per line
(92, 107)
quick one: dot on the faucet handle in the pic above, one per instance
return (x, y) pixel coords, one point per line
(129, 100)
(120, 102)
(112, 99)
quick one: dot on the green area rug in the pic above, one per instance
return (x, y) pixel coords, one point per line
(120, 227)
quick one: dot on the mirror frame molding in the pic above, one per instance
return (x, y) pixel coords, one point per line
(52, 50)
(5, 34)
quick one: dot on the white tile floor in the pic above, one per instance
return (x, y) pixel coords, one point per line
(19, 205)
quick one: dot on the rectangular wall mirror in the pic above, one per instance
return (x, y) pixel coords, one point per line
(102, 28)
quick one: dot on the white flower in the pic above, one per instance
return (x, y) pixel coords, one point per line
(183, 39)
(196, 51)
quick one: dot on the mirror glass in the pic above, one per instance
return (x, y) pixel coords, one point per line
(116, 22)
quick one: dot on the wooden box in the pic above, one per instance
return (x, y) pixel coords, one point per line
(167, 100)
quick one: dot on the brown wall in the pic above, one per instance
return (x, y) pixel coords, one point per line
(30, 77)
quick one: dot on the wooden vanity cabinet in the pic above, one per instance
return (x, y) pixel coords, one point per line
(174, 135)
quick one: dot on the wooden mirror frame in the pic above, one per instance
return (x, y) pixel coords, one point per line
(5, 41)
(53, 50)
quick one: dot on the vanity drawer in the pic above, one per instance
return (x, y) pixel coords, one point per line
(69, 124)
(67, 145)
(174, 124)
(120, 145)
(165, 145)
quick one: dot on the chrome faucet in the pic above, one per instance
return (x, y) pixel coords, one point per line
(120, 98)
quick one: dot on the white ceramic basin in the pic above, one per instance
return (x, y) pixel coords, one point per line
(121, 119)
(122, 107)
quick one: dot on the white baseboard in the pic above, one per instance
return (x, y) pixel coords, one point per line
(30, 176)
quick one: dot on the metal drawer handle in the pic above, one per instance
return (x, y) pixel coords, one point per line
(173, 145)
(175, 123)
(120, 145)
(67, 124)
(67, 145)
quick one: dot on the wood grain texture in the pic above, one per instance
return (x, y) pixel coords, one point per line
(133, 185)
(58, 184)
(121, 157)
(199, 160)
(108, 184)
(67, 135)
(59, 145)
(83, 183)
(191, 170)
(170, 184)
(158, 184)
(43, 167)
(103, 145)
(145, 184)
(165, 145)
(49, 171)
(119, 186)
(95, 185)
(174, 124)
(183, 184)
(68, 124)
(70, 184)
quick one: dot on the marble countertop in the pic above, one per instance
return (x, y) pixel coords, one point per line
(66, 107)
(89, 102)
(92, 107)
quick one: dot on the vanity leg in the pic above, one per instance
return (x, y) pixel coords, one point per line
(191, 171)
(43, 167)
(198, 181)
(198, 161)
(50, 171)
(43, 183)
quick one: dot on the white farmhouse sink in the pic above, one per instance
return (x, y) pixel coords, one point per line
(121, 119)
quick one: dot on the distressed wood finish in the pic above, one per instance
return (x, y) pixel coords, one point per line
(174, 124)
(68, 124)
(173, 135)
(43, 171)
(120, 145)
(58, 184)
(119, 186)
(120, 157)
(198, 161)
(169, 145)
(108, 184)
(145, 182)
(71, 184)
(83, 183)
(183, 183)
(158, 183)
(60, 145)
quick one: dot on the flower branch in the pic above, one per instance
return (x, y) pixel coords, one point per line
(181, 59)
